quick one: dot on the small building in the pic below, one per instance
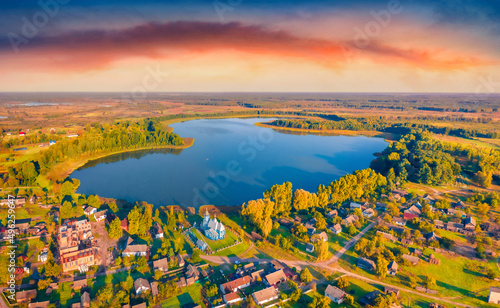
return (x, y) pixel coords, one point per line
(335, 294)
(89, 210)
(141, 285)
(336, 229)
(25, 296)
(158, 231)
(391, 290)
(366, 264)
(254, 276)
(399, 221)
(381, 206)
(413, 260)
(309, 247)
(369, 298)
(79, 284)
(406, 242)
(99, 216)
(161, 265)
(192, 272)
(470, 224)
(180, 260)
(231, 298)
(332, 213)
(387, 236)
(85, 300)
(275, 278)
(432, 236)
(265, 296)
(350, 219)
(494, 296)
(235, 285)
(368, 213)
(133, 250)
(439, 224)
(39, 304)
(414, 210)
(72, 135)
(321, 237)
(124, 224)
(434, 260)
(392, 268)
(201, 245)
(311, 230)
(354, 205)
(154, 288)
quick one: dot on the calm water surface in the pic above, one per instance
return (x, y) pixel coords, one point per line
(232, 161)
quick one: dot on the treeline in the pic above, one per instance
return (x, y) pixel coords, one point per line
(418, 158)
(105, 138)
(39, 137)
(282, 201)
(383, 125)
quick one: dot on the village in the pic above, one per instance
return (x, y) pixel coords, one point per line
(216, 259)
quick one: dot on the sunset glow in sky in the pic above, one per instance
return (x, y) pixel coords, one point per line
(248, 45)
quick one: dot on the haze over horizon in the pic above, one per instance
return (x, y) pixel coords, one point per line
(250, 46)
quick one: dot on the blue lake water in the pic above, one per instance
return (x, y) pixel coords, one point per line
(232, 161)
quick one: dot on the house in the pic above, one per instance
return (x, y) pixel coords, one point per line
(392, 268)
(335, 294)
(366, 264)
(141, 285)
(22, 134)
(249, 267)
(264, 296)
(161, 265)
(433, 260)
(332, 213)
(201, 245)
(255, 275)
(391, 290)
(213, 228)
(369, 298)
(336, 229)
(25, 296)
(154, 288)
(494, 296)
(89, 210)
(235, 285)
(429, 199)
(134, 250)
(454, 227)
(368, 213)
(387, 236)
(310, 228)
(438, 224)
(470, 224)
(297, 219)
(414, 210)
(350, 219)
(381, 206)
(78, 260)
(399, 221)
(408, 216)
(406, 242)
(99, 216)
(231, 298)
(158, 231)
(413, 260)
(309, 247)
(180, 260)
(321, 237)
(192, 272)
(432, 236)
(124, 224)
(275, 278)
(354, 205)
(85, 300)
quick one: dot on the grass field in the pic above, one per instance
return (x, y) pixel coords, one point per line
(228, 240)
(191, 295)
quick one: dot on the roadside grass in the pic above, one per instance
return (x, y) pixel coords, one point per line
(191, 295)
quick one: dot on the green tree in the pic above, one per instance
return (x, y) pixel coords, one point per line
(113, 207)
(305, 276)
(381, 269)
(114, 229)
(67, 188)
(342, 283)
(430, 282)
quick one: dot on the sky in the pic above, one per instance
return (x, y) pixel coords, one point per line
(250, 46)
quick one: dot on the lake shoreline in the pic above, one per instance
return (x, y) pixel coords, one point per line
(63, 170)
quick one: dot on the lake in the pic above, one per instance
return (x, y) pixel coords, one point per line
(231, 161)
